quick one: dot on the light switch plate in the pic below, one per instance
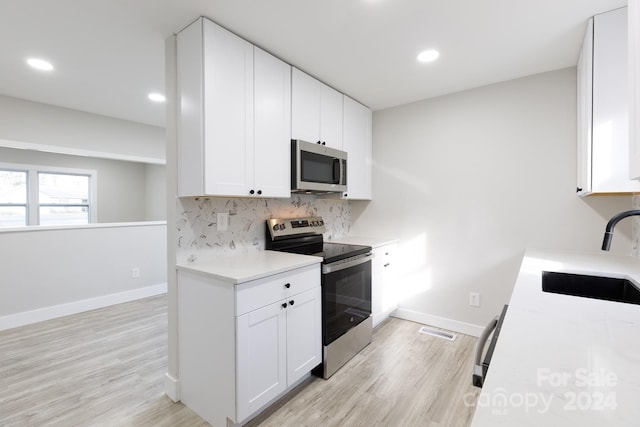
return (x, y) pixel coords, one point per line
(474, 299)
(222, 221)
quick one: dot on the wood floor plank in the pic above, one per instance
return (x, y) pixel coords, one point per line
(106, 368)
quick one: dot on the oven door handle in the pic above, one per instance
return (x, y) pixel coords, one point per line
(330, 268)
(478, 372)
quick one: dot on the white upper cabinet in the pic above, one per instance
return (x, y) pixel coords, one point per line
(234, 101)
(357, 143)
(603, 124)
(585, 99)
(316, 111)
(634, 88)
(272, 125)
(331, 117)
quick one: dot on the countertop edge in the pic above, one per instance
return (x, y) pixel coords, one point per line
(215, 270)
(374, 242)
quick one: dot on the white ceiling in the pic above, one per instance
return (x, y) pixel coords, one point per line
(109, 54)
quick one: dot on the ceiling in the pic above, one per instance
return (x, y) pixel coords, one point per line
(109, 54)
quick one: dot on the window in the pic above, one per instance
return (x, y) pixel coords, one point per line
(37, 195)
(63, 199)
(13, 198)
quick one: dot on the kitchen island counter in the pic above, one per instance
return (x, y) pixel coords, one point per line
(564, 360)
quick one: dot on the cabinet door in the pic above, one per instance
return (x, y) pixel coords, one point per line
(389, 284)
(304, 334)
(190, 122)
(610, 142)
(384, 298)
(634, 88)
(331, 117)
(271, 155)
(357, 143)
(261, 370)
(228, 111)
(377, 285)
(305, 107)
(585, 98)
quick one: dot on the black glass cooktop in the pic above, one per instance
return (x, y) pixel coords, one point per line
(332, 252)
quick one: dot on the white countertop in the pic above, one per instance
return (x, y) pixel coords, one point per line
(374, 242)
(562, 360)
(243, 268)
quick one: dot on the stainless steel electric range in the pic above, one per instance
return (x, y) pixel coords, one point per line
(346, 286)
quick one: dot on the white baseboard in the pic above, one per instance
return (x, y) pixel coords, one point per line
(48, 313)
(439, 322)
(172, 387)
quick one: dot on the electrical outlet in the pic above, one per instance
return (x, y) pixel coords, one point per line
(474, 299)
(135, 273)
(222, 221)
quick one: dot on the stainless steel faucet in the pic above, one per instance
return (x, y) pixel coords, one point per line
(608, 233)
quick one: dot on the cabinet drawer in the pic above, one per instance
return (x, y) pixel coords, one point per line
(259, 293)
(384, 254)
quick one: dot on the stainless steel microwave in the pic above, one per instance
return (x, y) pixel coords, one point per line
(316, 168)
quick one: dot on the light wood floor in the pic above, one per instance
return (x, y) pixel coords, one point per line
(106, 368)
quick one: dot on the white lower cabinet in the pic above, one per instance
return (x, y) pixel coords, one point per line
(242, 346)
(262, 358)
(277, 345)
(384, 298)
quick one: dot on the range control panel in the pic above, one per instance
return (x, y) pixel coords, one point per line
(295, 226)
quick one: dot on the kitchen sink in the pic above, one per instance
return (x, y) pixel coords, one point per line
(580, 285)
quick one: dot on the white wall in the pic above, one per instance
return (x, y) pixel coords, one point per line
(58, 271)
(45, 125)
(155, 192)
(468, 181)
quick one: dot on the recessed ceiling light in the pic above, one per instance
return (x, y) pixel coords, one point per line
(40, 64)
(157, 97)
(428, 55)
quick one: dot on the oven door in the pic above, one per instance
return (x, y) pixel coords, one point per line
(346, 296)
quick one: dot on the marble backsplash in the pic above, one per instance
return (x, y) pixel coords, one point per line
(197, 233)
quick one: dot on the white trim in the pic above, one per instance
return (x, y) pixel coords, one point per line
(79, 152)
(439, 322)
(80, 226)
(48, 313)
(172, 387)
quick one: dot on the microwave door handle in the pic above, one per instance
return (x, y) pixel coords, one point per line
(337, 171)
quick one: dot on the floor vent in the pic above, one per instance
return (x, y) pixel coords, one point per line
(440, 334)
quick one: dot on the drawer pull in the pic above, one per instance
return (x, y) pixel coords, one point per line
(291, 302)
(287, 285)
(387, 264)
(284, 305)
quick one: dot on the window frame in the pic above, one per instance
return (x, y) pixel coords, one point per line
(25, 205)
(33, 191)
